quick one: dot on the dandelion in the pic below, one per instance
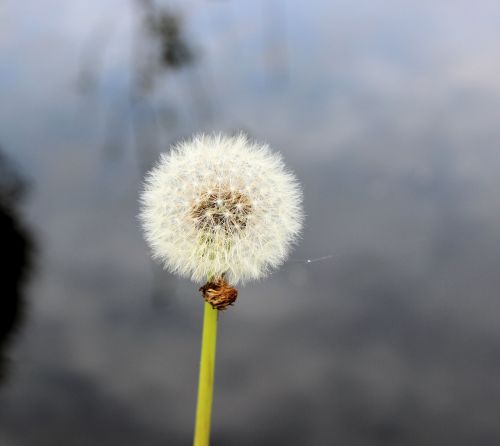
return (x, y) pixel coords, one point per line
(218, 205)
(222, 209)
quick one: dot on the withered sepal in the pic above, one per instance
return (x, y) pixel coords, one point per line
(219, 294)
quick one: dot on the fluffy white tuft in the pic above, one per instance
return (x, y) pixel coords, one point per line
(219, 205)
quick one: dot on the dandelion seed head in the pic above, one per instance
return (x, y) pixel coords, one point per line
(219, 205)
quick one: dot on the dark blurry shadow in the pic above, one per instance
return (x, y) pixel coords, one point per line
(16, 252)
(174, 51)
(159, 47)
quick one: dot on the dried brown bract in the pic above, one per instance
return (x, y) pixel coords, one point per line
(219, 294)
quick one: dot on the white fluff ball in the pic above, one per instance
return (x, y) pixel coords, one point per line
(220, 205)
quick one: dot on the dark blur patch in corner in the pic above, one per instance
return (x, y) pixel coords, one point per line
(17, 248)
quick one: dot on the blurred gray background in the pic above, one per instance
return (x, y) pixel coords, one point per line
(389, 114)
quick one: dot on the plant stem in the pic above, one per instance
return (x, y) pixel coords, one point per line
(206, 381)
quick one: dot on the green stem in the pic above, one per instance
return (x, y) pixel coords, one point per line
(206, 381)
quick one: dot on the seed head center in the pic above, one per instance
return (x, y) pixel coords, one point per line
(223, 210)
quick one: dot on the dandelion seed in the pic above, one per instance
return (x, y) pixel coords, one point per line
(239, 218)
